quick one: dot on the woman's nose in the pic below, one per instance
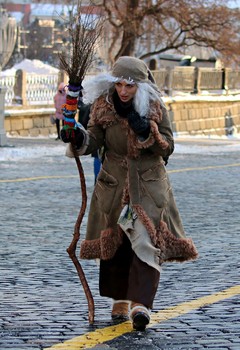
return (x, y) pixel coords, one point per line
(123, 90)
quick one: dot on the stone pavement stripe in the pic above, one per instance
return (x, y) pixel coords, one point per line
(88, 340)
(87, 175)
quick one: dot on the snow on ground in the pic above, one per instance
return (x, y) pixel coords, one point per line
(210, 144)
(207, 148)
(23, 153)
(186, 145)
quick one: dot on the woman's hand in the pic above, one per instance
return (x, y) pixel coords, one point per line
(74, 135)
(140, 125)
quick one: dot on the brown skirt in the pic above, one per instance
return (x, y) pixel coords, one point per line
(126, 277)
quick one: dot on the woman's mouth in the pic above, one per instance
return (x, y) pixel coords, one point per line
(124, 98)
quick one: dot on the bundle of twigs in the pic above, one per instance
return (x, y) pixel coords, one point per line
(84, 31)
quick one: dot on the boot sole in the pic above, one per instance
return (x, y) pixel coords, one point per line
(140, 321)
(120, 317)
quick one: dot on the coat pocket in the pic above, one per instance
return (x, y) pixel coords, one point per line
(156, 185)
(105, 190)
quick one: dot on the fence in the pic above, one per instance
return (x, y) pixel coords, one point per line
(197, 79)
(29, 88)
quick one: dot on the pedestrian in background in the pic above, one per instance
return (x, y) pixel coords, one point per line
(133, 222)
(59, 100)
(83, 118)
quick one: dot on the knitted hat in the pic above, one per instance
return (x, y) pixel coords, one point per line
(130, 68)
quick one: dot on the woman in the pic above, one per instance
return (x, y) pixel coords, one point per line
(59, 100)
(133, 222)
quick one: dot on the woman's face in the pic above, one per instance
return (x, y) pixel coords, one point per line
(125, 91)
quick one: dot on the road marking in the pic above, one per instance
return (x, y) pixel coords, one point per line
(204, 168)
(41, 178)
(90, 175)
(99, 336)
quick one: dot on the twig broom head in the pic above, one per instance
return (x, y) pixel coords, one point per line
(84, 30)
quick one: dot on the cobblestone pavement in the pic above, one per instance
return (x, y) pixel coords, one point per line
(41, 299)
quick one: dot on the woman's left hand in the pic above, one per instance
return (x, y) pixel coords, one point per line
(139, 124)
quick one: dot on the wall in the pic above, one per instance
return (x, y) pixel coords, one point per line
(211, 115)
(29, 121)
(191, 115)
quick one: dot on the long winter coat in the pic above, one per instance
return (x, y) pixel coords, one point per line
(133, 172)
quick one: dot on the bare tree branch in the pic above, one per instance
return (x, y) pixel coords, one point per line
(153, 27)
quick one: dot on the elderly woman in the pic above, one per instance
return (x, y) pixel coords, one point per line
(133, 222)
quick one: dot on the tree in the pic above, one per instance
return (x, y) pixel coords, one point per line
(145, 28)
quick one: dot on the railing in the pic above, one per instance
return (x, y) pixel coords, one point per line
(8, 82)
(41, 88)
(34, 89)
(197, 79)
(232, 79)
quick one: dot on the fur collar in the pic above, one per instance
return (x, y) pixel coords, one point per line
(104, 114)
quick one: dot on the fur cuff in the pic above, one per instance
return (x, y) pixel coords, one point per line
(135, 144)
(157, 136)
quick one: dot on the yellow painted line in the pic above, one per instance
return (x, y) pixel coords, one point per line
(210, 140)
(43, 178)
(88, 175)
(99, 336)
(188, 306)
(204, 168)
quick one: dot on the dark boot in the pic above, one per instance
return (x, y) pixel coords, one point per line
(140, 316)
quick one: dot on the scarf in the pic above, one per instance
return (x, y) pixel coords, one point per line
(122, 108)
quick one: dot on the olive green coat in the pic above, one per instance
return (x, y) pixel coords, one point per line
(133, 172)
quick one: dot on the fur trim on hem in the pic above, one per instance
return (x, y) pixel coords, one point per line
(104, 247)
(90, 249)
(109, 242)
(171, 247)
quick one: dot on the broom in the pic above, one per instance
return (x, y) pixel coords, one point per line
(84, 32)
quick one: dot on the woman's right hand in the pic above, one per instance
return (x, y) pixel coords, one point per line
(74, 135)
